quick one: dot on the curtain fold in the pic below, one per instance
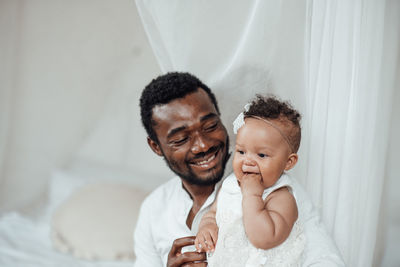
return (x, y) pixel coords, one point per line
(350, 109)
(239, 49)
(331, 59)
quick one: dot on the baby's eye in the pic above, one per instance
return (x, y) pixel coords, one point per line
(240, 152)
(261, 155)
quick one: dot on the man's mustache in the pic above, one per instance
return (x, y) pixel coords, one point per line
(208, 152)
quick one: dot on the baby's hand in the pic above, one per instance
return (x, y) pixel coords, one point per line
(206, 238)
(251, 184)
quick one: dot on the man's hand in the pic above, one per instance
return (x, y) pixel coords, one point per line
(177, 259)
(251, 184)
(207, 236)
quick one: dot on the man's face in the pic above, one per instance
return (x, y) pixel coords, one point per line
(192, 138)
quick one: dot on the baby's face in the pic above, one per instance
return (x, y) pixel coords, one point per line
(260, 149)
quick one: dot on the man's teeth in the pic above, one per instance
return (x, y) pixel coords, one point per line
(206, 161)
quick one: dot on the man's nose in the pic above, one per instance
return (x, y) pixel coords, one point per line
(200, 144)
(249, 165)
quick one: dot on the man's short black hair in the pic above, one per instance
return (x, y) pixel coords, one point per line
(163, 90)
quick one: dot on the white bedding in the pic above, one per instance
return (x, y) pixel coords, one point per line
(26, 242)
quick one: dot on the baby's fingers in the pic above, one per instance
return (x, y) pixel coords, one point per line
(203, 243)
(214, 236)
(197, 243)
(209, 242)
(250, 176)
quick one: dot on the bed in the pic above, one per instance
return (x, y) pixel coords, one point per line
(87, 220)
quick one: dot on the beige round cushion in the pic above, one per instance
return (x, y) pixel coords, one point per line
(97, 222)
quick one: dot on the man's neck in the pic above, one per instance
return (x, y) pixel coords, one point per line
(199, 195)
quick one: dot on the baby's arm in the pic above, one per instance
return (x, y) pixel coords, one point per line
(207, 236)
(267, 223)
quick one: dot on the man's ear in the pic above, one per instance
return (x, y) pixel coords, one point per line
(154, 146)
(291, 161)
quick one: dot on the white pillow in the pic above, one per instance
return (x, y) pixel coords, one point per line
(97, 222)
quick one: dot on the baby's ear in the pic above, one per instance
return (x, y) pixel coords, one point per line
(291, 161)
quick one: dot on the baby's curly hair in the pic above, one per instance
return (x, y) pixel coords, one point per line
(164, 89)
(271, 108)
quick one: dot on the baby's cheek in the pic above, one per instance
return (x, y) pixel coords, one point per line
(237, 168)
(238, 173)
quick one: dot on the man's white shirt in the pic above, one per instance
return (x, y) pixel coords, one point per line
(163, 214)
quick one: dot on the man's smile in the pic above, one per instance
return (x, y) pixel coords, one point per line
(206, 162)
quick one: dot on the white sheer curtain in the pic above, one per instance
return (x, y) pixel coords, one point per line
(352, 62)
(238, 49)
(62, 63)
(335, 60)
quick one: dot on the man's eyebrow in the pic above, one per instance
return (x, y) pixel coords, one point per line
(208, 116)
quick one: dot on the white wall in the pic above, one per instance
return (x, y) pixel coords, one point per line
(61, 63)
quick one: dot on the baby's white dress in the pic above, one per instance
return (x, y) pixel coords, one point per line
(234, 249)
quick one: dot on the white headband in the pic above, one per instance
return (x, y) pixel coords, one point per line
(239, 122)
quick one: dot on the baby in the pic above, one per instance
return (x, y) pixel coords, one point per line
(255, 215)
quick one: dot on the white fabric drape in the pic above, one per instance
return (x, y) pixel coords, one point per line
(335, 60)
(350, 84)
(238, 49)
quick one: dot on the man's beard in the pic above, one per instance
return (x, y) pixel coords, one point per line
(213, 178)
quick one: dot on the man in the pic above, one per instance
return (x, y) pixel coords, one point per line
(182, 120)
